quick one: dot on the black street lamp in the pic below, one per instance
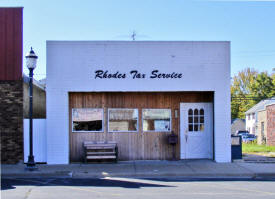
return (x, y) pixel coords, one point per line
(31, 60)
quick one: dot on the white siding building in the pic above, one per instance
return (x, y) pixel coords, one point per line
(136, 94)
(251, 116)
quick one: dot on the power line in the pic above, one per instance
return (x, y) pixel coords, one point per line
(244, 98)
(248, 98)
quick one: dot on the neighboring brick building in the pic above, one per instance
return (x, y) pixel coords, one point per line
(270, 115)
(11, 85)
(264, 121)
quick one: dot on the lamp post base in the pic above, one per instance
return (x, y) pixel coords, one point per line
(31, 164)
(31, 168)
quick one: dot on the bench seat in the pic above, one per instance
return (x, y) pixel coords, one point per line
(101, 157)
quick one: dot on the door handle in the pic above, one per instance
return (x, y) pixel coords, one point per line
(186, 135)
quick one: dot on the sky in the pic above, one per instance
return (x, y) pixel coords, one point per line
(248, 25)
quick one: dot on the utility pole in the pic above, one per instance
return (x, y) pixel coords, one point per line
(133, 36)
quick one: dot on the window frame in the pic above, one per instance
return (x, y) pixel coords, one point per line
(108, 130)
(155, 130)
(72, 123)
(262, 128)
(199, 123)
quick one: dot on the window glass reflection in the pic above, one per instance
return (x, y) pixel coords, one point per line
(196, 121)
(123, 120)
(87, 119)
(190, 127)
(156, 119)
(190, 119)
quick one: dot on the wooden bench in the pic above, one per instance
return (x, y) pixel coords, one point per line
(100, 151)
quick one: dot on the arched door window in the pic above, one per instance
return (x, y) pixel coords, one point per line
(195, 120)
(190, 120)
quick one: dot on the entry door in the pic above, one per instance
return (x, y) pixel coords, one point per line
(196, 130)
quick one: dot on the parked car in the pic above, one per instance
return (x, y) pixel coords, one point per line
(248, 137)
(241, 132)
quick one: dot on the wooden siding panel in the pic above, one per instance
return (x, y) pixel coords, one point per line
(134, 145)
(11, 43)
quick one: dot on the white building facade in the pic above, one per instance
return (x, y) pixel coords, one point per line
(164, 87)
(251, 122)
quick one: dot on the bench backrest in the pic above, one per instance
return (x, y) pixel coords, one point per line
(100, 144)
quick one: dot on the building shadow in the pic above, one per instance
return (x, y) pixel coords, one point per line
(7, 184)
(226, 179)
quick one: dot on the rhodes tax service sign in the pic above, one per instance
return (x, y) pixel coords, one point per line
(135, 74)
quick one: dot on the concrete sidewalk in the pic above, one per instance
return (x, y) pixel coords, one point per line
(259, 158)
(147, 169)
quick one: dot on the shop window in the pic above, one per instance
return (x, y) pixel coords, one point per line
(156, 120)
(196, 120)
(87, 120)
(123, 120)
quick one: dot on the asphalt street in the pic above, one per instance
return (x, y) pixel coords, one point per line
(125, 188)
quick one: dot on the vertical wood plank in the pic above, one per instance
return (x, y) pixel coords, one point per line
(137, 145)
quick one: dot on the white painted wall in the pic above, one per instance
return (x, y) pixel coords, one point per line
(250, 123)
(71, 65)
(39, 140)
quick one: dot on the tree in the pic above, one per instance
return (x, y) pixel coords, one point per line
(242, 82)
(263, 86)
(273, 82)
(250, 83)
(241, 88)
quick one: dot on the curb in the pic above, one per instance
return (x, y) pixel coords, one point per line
(201, 176)
(37, 175)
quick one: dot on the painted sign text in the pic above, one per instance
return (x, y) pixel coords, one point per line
(135, 74)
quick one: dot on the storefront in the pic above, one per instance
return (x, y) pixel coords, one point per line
(136, 94)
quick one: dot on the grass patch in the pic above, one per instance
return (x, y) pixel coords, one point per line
(253, 147)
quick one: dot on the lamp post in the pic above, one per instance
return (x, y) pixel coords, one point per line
(31, 60)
